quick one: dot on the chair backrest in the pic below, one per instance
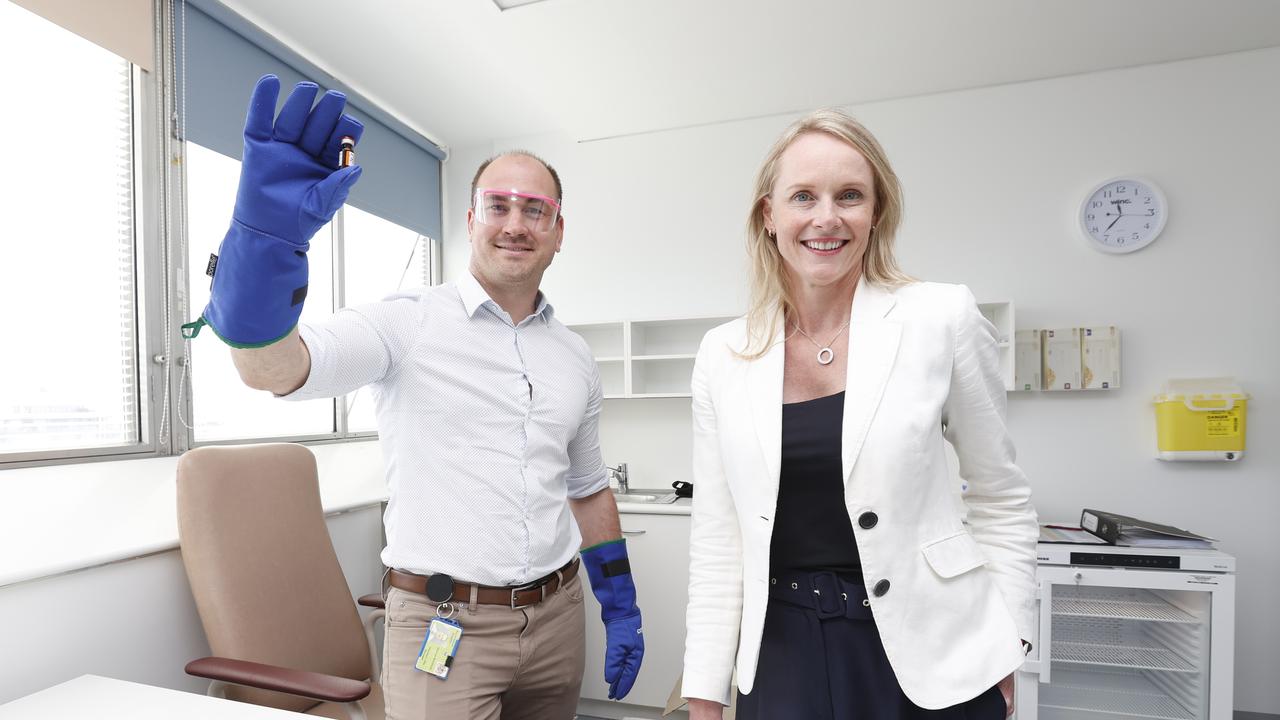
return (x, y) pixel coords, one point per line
(266, 580)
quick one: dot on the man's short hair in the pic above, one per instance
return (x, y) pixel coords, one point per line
(555, 176)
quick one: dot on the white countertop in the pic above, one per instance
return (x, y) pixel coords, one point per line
(100, 698)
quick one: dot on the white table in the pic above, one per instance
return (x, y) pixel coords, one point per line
(99, 698)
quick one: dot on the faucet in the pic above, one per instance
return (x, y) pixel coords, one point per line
(620, 473)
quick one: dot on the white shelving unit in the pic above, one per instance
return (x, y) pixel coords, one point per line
(1000, 314)
(654, 358)
(646, 358)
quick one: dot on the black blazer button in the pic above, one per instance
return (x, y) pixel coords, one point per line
(881, 588)
(868, 520)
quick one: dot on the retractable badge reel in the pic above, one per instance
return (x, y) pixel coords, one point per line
(444, 633)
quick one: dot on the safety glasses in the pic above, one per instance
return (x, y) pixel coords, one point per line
(499, 208)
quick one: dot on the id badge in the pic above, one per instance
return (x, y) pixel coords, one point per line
(439, 647)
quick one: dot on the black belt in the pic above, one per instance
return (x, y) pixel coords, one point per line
(827, 593)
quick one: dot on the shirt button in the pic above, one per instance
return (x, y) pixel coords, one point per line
(868, 520)
(881, 588)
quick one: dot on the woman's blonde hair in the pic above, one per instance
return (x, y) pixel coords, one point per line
(771, 293)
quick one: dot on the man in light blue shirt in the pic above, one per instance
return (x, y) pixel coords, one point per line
(488, 411)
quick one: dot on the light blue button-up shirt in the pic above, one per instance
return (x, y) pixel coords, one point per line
(488, 427)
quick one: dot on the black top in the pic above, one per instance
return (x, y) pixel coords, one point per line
(811, 530)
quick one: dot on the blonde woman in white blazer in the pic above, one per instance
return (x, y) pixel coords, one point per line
(830, 566)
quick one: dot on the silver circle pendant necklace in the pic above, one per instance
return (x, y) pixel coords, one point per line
(825, 353)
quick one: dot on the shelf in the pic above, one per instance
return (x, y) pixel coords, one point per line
(663, 376)
(1121, 656)
(680, 356)
(646, 358)
(1124, 604)
(613, 378)
(666, 337)
(606, 340)
(1129, 695)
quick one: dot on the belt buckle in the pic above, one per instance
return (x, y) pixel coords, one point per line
(827, 594)
(539, 583)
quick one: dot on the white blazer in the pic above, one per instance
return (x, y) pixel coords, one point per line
(923, 370)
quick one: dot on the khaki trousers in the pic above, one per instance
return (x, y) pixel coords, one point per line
(522, 664)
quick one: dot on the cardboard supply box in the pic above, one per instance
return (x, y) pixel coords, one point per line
(1027, 360)
(1062, 353)
(1100, 357)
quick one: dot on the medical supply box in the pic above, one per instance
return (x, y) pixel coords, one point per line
(1201, 419)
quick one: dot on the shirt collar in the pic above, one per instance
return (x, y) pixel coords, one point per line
(474, 297)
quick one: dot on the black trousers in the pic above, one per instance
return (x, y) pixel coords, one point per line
(821, 659)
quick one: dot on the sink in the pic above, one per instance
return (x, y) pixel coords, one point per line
(653, 497)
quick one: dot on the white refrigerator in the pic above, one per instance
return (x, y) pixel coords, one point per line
(1130, 633)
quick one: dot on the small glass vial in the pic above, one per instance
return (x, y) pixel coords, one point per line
(346, 151)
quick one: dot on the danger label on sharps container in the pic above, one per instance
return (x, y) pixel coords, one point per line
(1222, 425)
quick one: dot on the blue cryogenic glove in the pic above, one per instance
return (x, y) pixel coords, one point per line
(290, 186)
(610, 573)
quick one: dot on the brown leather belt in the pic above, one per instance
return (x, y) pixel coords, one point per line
(514, 597)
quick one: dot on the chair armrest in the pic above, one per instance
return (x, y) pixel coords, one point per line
(318, 686)
(373, 600)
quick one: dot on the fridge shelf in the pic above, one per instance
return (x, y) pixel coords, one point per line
(1107, 701)
(1121, 604)
(1144, 658)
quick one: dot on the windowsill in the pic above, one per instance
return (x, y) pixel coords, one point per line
(62, 518)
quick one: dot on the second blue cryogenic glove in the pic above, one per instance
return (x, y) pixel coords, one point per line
(609, 570)
(290, 186)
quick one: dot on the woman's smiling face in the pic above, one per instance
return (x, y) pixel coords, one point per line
(822, 208)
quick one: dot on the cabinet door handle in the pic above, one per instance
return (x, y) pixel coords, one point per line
(634, 532)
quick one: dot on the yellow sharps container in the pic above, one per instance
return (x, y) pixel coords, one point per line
(1201, 419)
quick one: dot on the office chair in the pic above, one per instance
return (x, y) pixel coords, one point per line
(274, 603)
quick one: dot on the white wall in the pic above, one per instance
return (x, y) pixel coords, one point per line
(993, 180)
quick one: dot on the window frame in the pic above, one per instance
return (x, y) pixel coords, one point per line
(147, 303)
(161, 283)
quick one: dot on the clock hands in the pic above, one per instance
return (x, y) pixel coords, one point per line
(1119, 214)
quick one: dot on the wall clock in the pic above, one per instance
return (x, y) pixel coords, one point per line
(1123, 214)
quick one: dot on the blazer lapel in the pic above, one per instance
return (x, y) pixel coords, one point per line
(873, 346)
(764, 380)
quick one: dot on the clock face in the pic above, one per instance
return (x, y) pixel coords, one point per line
(1123, 215)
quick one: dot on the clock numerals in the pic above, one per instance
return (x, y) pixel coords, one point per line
(1123, 215)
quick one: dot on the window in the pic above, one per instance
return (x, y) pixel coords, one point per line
(99, 221)
(223, 408)
(380, 257)
(68, 285)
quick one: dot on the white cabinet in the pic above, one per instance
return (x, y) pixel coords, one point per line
(658, 546)
(646, 358)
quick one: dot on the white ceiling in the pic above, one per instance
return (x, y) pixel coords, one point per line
(465, 73)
